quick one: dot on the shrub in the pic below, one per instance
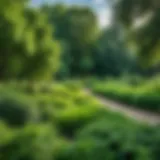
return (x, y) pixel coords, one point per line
(17, 112)
(30, 143)
(87, 131)
(143, 95)
(107, 140)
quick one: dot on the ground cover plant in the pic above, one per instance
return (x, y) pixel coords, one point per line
(60, 121)
(144, 94)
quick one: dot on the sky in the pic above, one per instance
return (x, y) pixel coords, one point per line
(100, 6)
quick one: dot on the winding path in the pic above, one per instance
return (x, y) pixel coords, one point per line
(130, 111)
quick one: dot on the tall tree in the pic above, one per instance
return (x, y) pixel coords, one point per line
(111, 58)
(142, 20)
(27, 49)
(76, 28)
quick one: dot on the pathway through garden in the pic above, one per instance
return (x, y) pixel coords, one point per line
(130, 111)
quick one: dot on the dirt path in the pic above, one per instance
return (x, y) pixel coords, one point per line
(130, 111)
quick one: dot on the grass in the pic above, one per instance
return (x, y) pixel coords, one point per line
(145, 95)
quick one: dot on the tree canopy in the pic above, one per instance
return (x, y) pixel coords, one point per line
(27, 49)
(142, 19)
(111, 57)
(76, 28)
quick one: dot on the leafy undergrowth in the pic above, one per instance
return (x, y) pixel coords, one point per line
(145, 95)
(61, 122)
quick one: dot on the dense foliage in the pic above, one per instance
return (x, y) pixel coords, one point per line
(76, 28)
(138, 92)
(110, 55)
(67, 123)
(25, 37)
(43, 120)
(88, 50)
(115, 141)
(146, 33)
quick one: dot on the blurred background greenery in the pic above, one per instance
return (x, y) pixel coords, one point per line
(52, 53)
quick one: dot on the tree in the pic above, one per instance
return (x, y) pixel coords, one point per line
(146, 34)
(44, 57)
(27, 48)
(111, 58)
(76, 28)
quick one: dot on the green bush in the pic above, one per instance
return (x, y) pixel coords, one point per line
(144, 95)
(105, 140)
(150, 137)
(6, 134)
(68, 108)
(30, 143)
(71, 121)
(17, 112)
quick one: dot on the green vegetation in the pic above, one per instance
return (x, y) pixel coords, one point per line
(140, 93)
(61, 121)
(114, 140)
(146, 35)
(25, 37)
(65, 105)
(48, 52)
(86, 50)
(76, 29)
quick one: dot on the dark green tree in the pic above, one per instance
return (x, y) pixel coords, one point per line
(27, 49)
(76, 28)
(111, 58)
